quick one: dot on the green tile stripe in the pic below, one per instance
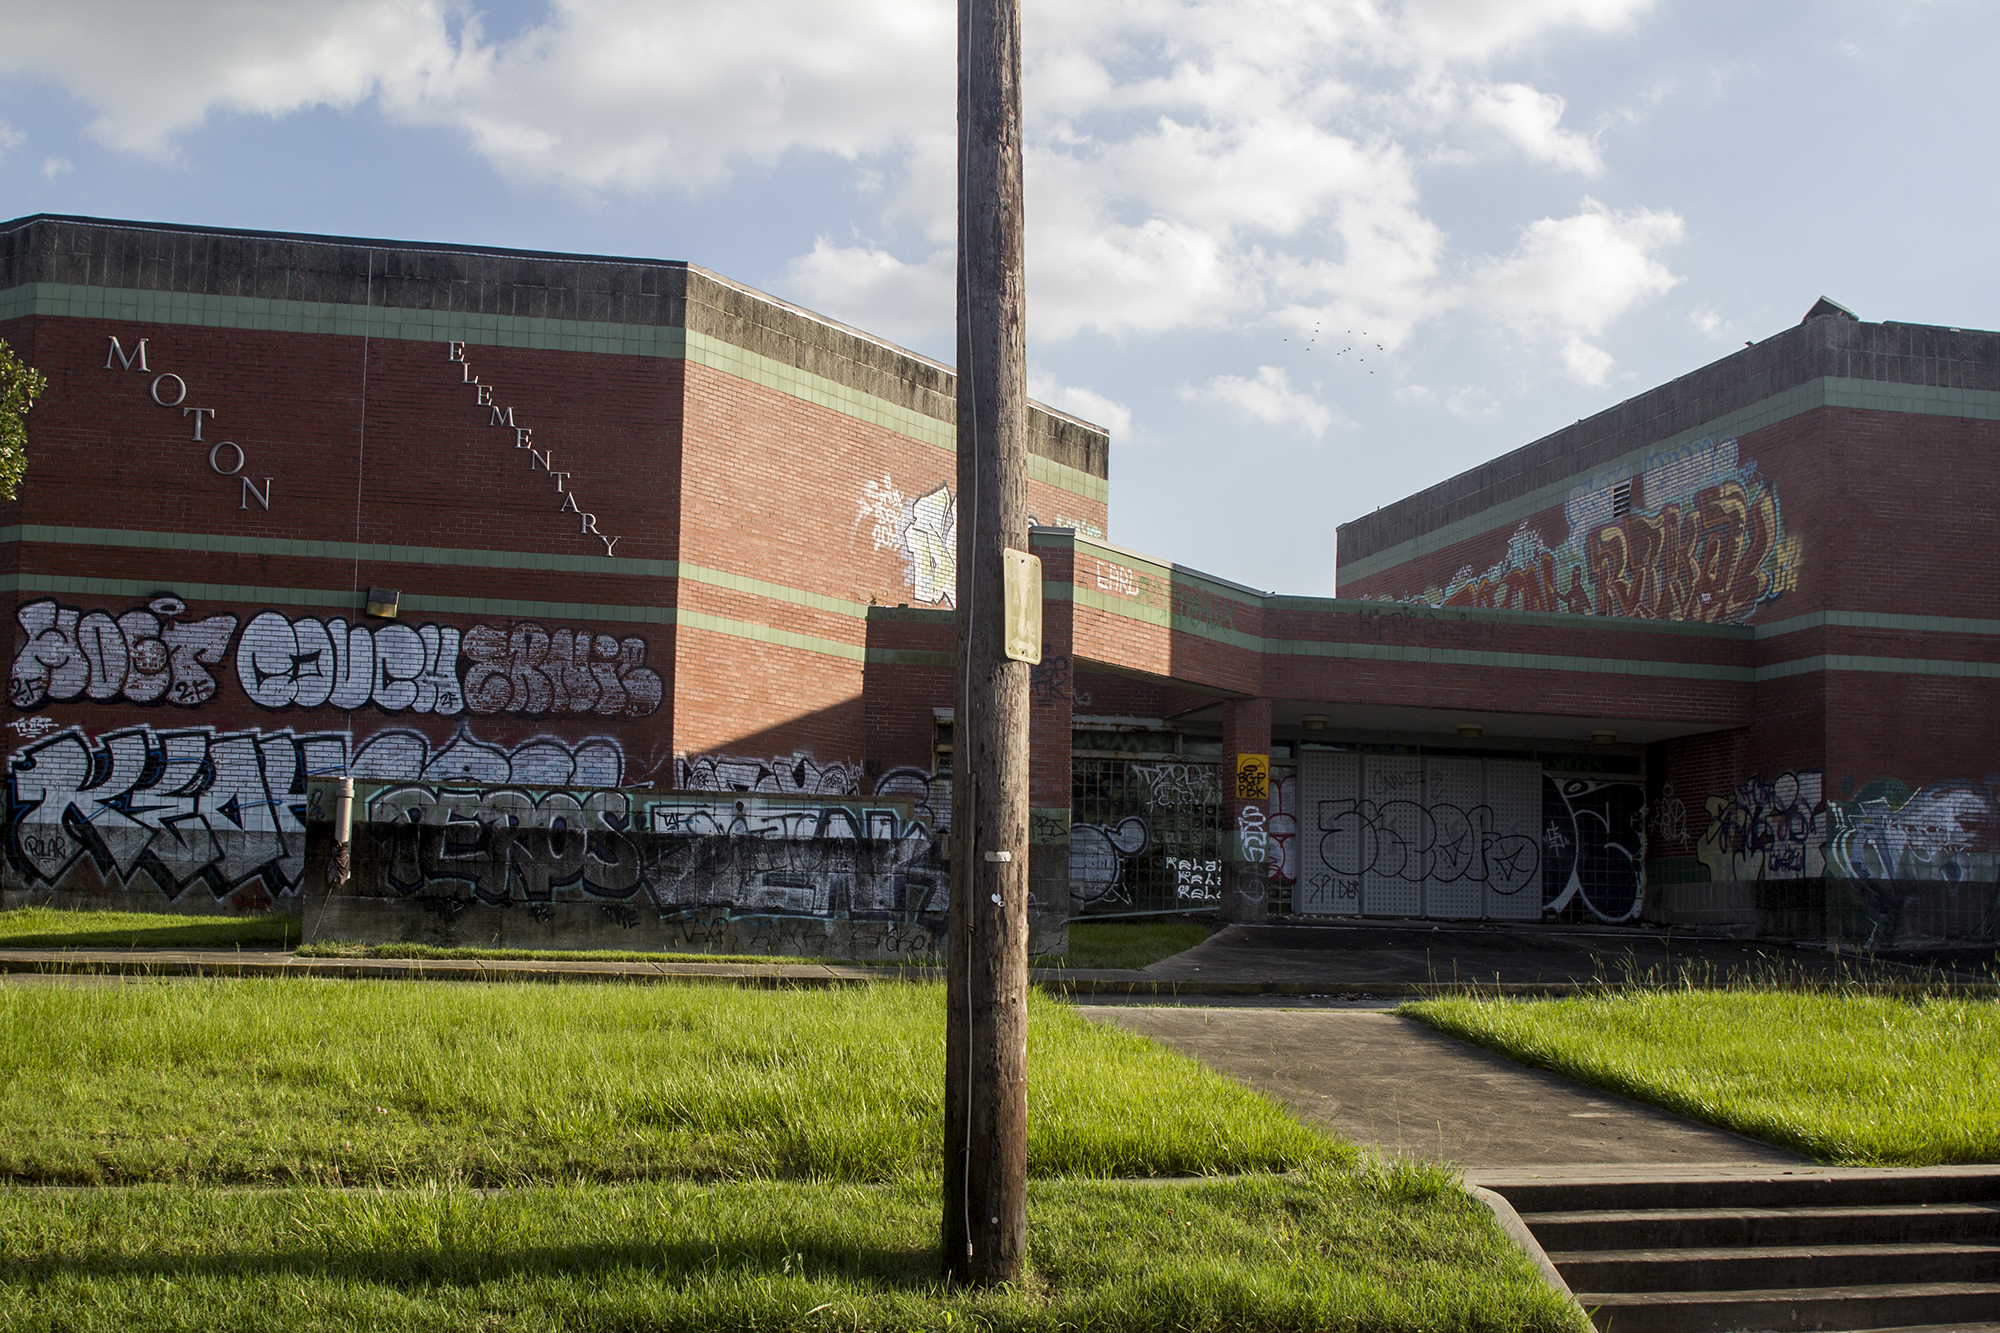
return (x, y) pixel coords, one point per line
(339, 319)
(910, 657)
(1380, 652)
(1908, 666)
(345, 599)
(782, 638)
(1878, 620)
(1064, 477)
(1978, 404)
(1564, 620)
(219, 543)
(777, 592)
(708, 350)
(463, 606)
(426, 555)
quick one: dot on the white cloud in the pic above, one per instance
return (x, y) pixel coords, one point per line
(1532, 121)
(872, 289)
(56, 166)
(1711, 324)
(10, 138)
(1092, 406)
(1569, 278)
(1268, 398)
(151, 71)
(1190, 165)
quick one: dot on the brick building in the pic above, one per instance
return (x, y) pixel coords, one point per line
(670, 565)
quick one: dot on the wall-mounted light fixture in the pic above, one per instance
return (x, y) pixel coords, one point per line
(382, 602)
(1602, 737)
(1470, 731)
(1313, 721)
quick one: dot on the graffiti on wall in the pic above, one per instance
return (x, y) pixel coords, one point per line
(224, 809)
(1783, 826)
(1767, 828)
(1283, 829)
(1417, 842)
(923, 530)
(1947, 832)
(150, 654)
(798, 774)
(408, 756)
(1593, 846)
(754, 854)
(530, 671)
(159, 654)
(1098, 855)
(307, 663)
(175, 807)
(1696, 534)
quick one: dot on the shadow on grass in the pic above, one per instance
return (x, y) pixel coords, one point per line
(877, 1268)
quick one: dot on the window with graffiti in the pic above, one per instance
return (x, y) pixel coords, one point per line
(1145, 836)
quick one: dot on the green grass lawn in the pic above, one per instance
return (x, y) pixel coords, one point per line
(303, 1081)
(1402, 1250)
(51, 928)
(1092, 944)
(1844, 1077)
(675, 1158)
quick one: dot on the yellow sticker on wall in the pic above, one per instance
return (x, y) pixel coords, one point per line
(1253, 777)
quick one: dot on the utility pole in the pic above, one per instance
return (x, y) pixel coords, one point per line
(986, 1025)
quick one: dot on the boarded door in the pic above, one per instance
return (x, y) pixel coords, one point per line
(1514, 845)
(1392, 810)
(1455, 825)
(1329, 834)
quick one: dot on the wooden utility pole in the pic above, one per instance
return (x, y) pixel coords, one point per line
(986, 1027)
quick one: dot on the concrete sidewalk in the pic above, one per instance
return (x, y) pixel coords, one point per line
(1406, 1090)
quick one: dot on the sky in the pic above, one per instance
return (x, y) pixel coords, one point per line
(1302, 259)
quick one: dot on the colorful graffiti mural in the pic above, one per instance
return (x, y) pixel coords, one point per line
(1694, 535)
(1784, 827)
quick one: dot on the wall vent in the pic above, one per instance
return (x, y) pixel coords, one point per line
(1621, 499)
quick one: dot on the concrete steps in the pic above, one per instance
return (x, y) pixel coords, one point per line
(1895, 1251)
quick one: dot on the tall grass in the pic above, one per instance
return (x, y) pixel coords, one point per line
(299, 1080)
(1843, 1076)
(55, 928)
(1399, 1250)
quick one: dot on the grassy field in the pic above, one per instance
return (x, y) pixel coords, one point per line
(675, 1158)
(50, 928)
(1844, 1077)
(1092, 944)
(299, 1081)
(1396, 1250)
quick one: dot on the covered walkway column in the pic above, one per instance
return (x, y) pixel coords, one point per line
(1246, 805)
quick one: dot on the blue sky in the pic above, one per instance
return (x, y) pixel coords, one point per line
(1303, 258)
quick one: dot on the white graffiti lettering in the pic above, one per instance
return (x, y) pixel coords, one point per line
(144, 656)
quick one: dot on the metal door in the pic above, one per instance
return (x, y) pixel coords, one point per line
(1392, 809)
(1514, 846)
(1329, 834)
(1454, 827)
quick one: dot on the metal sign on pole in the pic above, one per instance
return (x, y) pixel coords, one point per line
(986, 1025)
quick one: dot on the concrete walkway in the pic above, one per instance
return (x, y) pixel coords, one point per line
(1395, 1085)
